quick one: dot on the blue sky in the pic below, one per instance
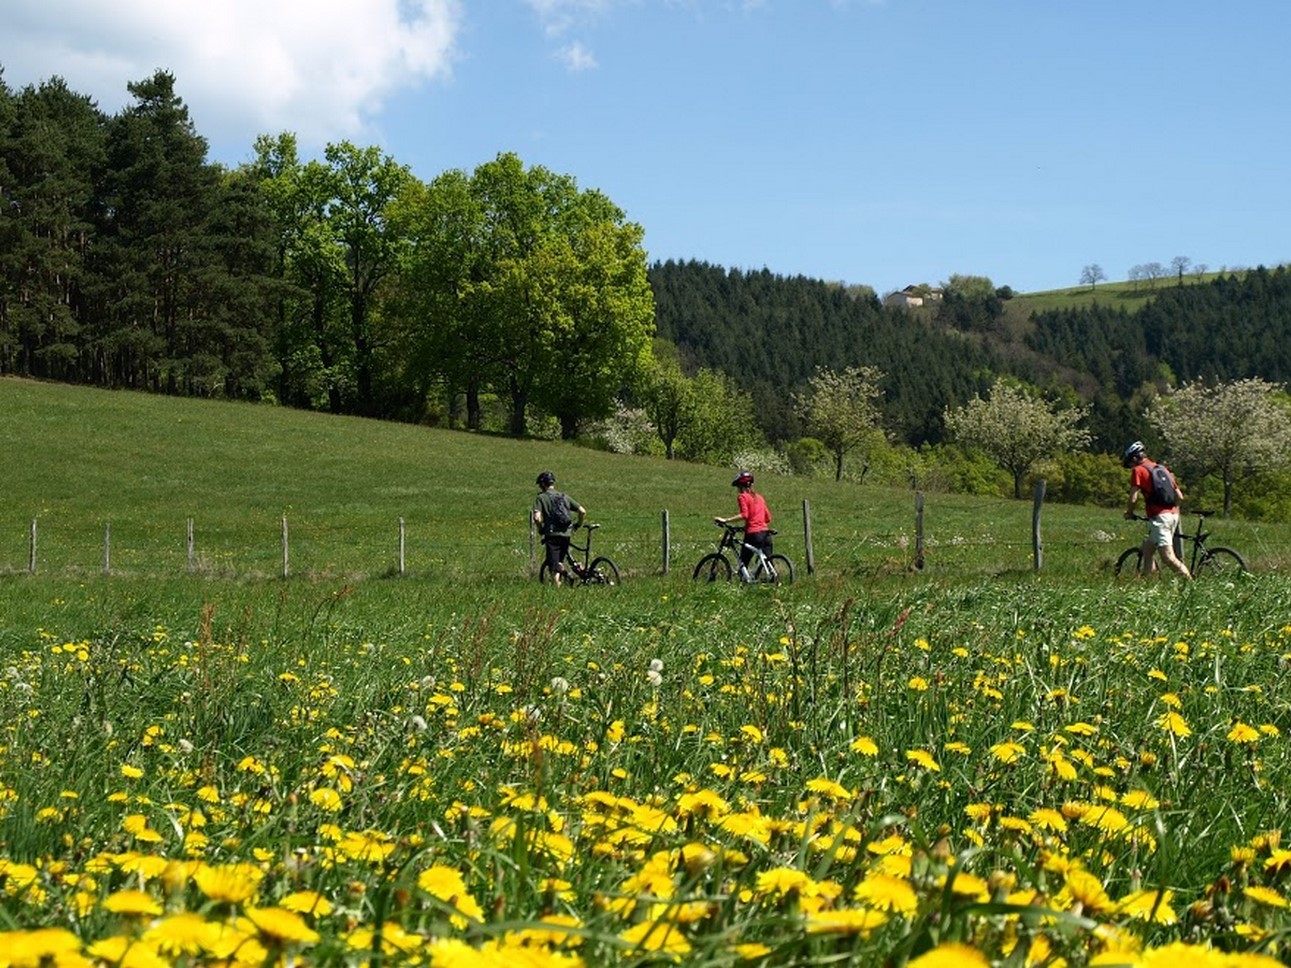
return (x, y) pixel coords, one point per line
(876, 142)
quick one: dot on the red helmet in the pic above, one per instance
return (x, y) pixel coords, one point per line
(742, 479)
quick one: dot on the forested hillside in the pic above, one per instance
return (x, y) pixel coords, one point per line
(771, 332)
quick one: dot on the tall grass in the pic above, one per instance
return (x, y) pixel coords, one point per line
(462, 766)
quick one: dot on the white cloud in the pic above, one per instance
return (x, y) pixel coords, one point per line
(319, 68)
(577, 57)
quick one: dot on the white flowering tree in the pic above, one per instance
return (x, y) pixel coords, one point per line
(1015, 428)
(841, 409)
(1237, 430)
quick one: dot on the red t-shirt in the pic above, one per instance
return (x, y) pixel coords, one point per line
(754, 511)
(1141, 477)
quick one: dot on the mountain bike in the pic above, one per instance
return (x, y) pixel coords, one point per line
(1205, 559)
(763, 568)
(591, 571)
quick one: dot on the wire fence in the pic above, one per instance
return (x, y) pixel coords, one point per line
(988, 538)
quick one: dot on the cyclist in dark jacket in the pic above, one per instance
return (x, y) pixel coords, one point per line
(557, 516)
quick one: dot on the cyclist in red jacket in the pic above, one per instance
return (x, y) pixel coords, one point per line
(754, 517)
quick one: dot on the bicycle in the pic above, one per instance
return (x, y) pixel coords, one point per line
(593, 571)
(763, 568)
(1217, 561)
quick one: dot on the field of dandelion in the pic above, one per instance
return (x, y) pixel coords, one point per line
(871, 765)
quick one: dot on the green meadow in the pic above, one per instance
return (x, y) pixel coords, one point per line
(204, 761)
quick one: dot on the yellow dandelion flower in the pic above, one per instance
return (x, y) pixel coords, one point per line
(1087, 890)
(40, 946)
(951, 955)
(281, 926)
(967, 885)
(325, 798)
(1082, 729)
(1174, 724)
(918, 684)
(780, 881)
(751, 733)
(979, 812)
(1008, 752)
(1151, 906)
(182, 934)
(1278, 861)
(230, 883)
(307, 902)
(1140, 800)
(662, 937)
(886, 892)
(1266, 896)
(860, 921)
(1049, 819)
(828, 788)
(132, 902)
(865, 746)
(924, 759)
(1241, 733)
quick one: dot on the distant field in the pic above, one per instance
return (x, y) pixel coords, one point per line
(1122, 295)
(145, 465)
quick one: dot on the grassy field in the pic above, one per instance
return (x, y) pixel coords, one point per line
(970, 764)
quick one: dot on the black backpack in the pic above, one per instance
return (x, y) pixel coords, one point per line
(556, 518)
(1164, 491)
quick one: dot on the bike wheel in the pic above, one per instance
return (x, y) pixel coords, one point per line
(712, 567)
(602, 571)
(783, 569)
(1221, 561)
(1129, 562)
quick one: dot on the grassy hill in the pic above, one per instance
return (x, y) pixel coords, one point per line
(1129, 296)
(83, 459)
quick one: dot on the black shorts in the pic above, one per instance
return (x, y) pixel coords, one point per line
(760, 540)
(557, 548)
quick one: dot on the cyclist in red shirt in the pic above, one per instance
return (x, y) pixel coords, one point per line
(754, 517)
(1163, 522)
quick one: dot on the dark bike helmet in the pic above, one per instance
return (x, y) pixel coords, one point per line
(1133, 454)
(742, 478)
(546, 479)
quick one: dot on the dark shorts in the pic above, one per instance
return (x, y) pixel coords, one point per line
(760, 540)
(557, 548)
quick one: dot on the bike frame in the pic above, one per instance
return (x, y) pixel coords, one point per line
(732, 541)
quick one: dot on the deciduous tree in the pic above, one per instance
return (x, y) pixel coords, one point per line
(1238, 430)
(841, 409)
(1016, 428)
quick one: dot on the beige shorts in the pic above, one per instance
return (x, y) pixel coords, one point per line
(1162, 528)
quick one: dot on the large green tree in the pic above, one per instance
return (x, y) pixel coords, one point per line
(532, 287)
(1015, 428)
(1238, 430)
(841, 409)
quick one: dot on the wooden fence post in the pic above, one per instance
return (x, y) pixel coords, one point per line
(667, 540)
(107, 547)
(401, 545)
(286, 570)
(918, 530)
(806, 537)
(31, 552)
(1037, 546)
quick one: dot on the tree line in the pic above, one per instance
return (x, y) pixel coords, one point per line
(343, 284)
